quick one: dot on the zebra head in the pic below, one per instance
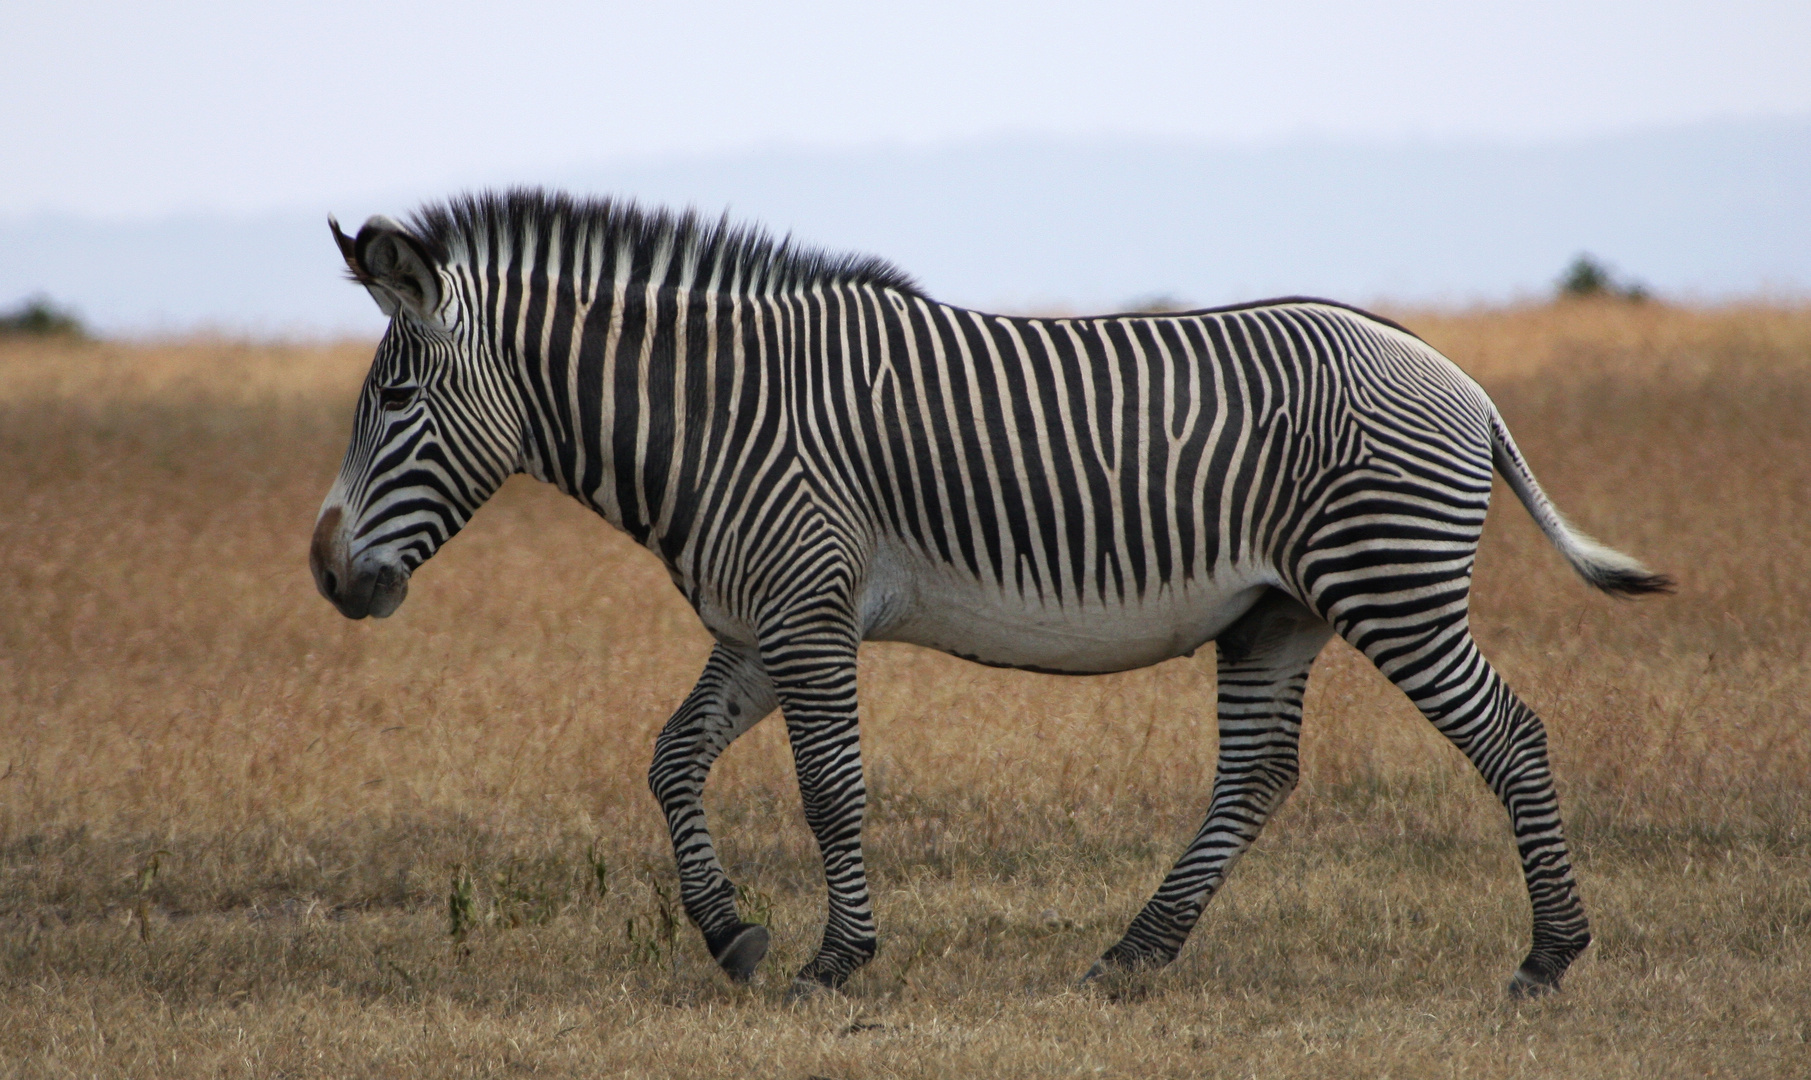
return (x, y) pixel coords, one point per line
(436, 432)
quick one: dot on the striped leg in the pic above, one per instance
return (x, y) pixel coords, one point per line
(730, 697)
(1454, 686)
(812, 664)
(1264, 661)
(1398, 588)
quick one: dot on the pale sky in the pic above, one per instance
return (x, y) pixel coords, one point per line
(135, 110)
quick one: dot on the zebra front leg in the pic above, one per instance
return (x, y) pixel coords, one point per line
(1263, 666)
(813, 671)
(730, 697)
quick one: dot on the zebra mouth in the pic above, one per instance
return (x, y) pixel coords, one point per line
(374, 588)
(388, 591)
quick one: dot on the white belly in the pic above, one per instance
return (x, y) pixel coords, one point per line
(912, 599)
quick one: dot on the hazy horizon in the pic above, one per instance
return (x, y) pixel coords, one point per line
(171, 166)
(1695, 212)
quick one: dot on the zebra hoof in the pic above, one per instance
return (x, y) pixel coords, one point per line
(743, 954)
(1114, 969)
(1526, 986)
(804, 990)
(1117, 983)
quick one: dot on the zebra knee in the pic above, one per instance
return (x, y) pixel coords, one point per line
(1269, 760)
(1259, 784)
(669, 774)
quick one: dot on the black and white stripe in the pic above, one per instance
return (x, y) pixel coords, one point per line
(821, 455)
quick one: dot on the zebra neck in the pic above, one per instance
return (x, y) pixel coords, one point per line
(642, 400)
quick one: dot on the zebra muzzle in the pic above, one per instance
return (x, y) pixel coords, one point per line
(383, 581)
(374, 583)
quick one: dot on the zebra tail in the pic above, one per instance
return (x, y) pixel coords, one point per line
(1601, 566)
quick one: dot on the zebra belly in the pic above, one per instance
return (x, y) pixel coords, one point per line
(912, 599)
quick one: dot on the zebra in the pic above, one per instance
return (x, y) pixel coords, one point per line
(820, 454)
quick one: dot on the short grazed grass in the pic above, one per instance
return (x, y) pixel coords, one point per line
(237, 833)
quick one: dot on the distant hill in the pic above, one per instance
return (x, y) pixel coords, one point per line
(1700, 212)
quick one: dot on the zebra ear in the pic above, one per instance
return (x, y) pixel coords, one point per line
(345, 245)
(393, 266)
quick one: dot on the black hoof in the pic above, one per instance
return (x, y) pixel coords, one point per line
(803, 990)
(1116, 965)
(743, 954)
(1527, 985)
(1116, 983)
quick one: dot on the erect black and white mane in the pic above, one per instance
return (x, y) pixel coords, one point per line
(646, 237)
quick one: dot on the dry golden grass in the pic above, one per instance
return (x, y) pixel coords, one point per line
(230, 821)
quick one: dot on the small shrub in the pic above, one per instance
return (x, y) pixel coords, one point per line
(461, 905)
(38, 316)
(1587, 277)
(754, 905)
(600, 871)
(529, 894)
(656, 934)
(147, 877)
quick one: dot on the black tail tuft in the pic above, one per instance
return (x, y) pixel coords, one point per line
(1629, 584)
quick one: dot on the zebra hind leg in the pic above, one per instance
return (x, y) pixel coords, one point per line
(1263, 668)
(731, 696)
(1455, 687)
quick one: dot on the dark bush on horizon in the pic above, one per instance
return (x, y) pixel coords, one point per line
(1587, 277)
(39, 316)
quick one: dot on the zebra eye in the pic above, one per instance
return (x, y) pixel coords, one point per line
(392, 398)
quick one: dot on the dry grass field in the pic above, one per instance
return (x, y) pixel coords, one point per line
(236, 830)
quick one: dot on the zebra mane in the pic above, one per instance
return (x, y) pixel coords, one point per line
(449, 229)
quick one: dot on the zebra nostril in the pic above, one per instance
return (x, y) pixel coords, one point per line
(332, 583)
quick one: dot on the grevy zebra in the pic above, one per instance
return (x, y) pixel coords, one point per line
(821, 455)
